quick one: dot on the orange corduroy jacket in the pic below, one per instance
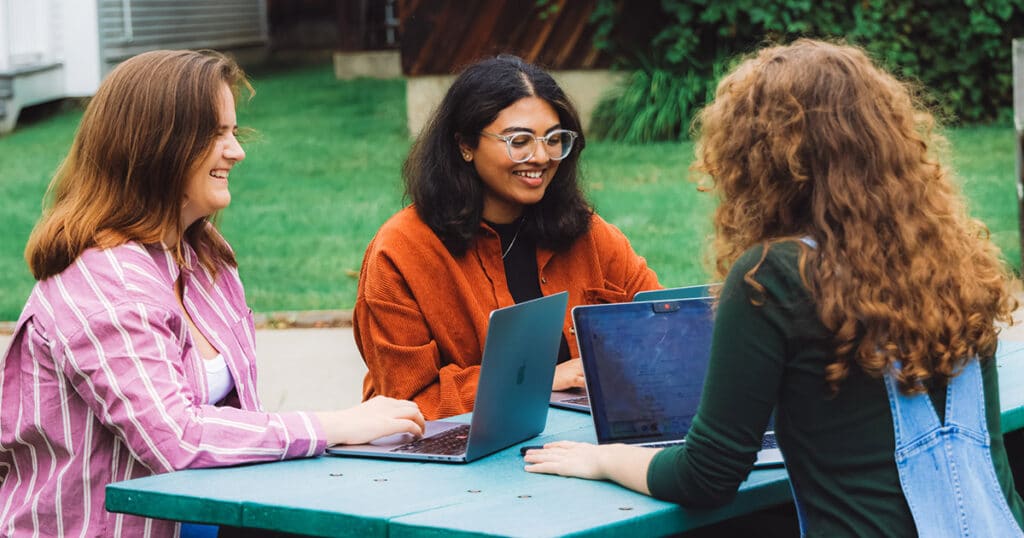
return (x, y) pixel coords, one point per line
(421, 314)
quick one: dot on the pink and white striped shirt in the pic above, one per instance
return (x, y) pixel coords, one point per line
(102, 383)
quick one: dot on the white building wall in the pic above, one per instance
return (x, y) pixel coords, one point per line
(28, 38)
(50, 49)
(78, 28)
(4, 36)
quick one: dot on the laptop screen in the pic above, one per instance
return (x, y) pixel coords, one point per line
(645, 365)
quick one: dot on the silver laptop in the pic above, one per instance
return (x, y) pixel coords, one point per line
(671, 294)
(577, 399)
(645, 365)
(516, 372)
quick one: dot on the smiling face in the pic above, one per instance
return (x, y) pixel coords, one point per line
(511, 186)
(207, 189)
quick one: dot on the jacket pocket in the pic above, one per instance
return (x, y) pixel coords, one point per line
(609, 293)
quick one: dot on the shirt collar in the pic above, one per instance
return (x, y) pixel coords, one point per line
(543, 254)
(164, 257)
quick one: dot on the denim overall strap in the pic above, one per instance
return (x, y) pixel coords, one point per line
(912, 417)
(809, 241)
(946, 470)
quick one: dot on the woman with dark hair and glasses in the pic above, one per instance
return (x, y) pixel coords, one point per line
(497, 218)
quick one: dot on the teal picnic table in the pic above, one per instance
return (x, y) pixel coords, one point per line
(331, 496)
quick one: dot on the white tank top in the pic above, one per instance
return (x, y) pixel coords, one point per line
(218, 378)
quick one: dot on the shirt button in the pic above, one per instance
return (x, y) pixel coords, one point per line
(544, 281)
(572, 330)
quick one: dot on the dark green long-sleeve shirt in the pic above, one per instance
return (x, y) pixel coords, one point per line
(839, 451)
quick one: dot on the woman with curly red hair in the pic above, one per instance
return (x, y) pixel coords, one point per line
(860, 302)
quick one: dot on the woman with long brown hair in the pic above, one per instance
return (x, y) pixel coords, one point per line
(135, 354)
(860, 303)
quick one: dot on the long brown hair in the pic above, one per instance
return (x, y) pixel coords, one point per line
(813, 139)
(124, 179)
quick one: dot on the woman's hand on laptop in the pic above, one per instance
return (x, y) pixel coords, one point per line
(624, 464)
(568, 375)
(375, 418)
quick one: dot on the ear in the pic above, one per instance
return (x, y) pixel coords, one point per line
(464, 149)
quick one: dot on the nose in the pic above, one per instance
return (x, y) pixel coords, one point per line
(540, 153)
(233, 151)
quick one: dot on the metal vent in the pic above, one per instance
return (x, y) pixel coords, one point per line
(129, 27)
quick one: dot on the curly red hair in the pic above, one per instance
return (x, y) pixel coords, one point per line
(812, 139)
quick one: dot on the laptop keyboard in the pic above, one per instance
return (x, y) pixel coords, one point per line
(580, 400)
(451, 442)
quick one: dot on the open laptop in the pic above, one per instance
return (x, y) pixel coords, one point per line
(645, 365)
(516, 372)
(671, 294)
(577, 399)
(573, 399)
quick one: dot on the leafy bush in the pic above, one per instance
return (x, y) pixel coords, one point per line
(650, 105)
(960, 50)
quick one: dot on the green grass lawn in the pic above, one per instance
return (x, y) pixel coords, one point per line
(323, 172)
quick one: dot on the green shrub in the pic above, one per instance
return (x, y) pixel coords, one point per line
(959, 50)
(650, 105)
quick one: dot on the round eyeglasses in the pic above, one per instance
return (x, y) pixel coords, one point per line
(523, 145)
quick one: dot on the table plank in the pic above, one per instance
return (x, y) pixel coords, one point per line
(420, 493)
(326, 496)
(544, 505)
(170, 498)
(408, 488)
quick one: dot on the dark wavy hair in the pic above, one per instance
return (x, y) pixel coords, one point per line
(813, 138)
(446, 190)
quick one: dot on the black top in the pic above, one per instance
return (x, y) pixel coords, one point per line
(520, 259)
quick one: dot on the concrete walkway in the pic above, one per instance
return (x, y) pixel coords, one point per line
(309, 369)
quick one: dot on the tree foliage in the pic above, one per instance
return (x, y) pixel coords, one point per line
(960, 50)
